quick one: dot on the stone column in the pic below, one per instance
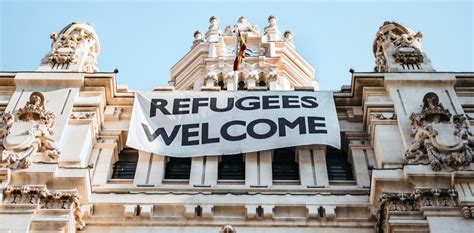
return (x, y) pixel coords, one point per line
(103, 167)
(157, 170)
(197, 174)
(361, 170)
(258, 168)
(306, 167)
(320, 166)
(266, 177)
(143, 164)
(212, 163)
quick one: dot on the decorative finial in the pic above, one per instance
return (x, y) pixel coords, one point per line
(242, 19)
(272, 18)
(197, 38)
(214, 21)
(197, 35)
(288, 35)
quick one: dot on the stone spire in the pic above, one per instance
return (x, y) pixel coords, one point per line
(75, 49)
(398, 49)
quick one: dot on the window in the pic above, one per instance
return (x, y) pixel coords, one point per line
(221, 84)
(284, 166)
(262, 83)
(339, 168)
(126, 165)
(241, 86)
(231, 167)
(178, 168)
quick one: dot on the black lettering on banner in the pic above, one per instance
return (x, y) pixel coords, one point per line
(289, 100)
(205, 135)
(230, 105)
(271, 131)
(199, 102)
(187, 133)
(168, 139)
(309, 102)
(283, 123)
(178, 104)
(225, 131)
(251, 105)
(267, 100)
(158, 104)
(313, 125)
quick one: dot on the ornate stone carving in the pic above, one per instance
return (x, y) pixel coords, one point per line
(395, 43)
(414, 201)
(467, 211)
(76, 43)
(444, 142)
(39, 195)
(82, 115)
(228, 229)
(385, 116)
(30, 133)
(245, 26)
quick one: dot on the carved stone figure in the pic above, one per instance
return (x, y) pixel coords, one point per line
(29, 134)
(397, 48)
(245, 26)
(77, 44)
(438, 137)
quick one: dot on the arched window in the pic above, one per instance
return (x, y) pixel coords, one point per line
(126, 164)
(262, 83)
(241, 86)
(284, 165)
(178, 168)
(338, 166)
(221, 84)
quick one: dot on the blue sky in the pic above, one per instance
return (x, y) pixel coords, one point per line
(144, 39)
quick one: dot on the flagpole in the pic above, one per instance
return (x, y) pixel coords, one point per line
(236, 74)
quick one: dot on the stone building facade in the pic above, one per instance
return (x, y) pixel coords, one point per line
(404, 166)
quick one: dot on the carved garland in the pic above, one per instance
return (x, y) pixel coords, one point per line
(414, 201)
(45, 199)
(444, 140)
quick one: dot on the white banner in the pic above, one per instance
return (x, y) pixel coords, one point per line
(190, 123)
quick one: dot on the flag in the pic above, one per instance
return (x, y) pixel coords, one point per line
(240, 52)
